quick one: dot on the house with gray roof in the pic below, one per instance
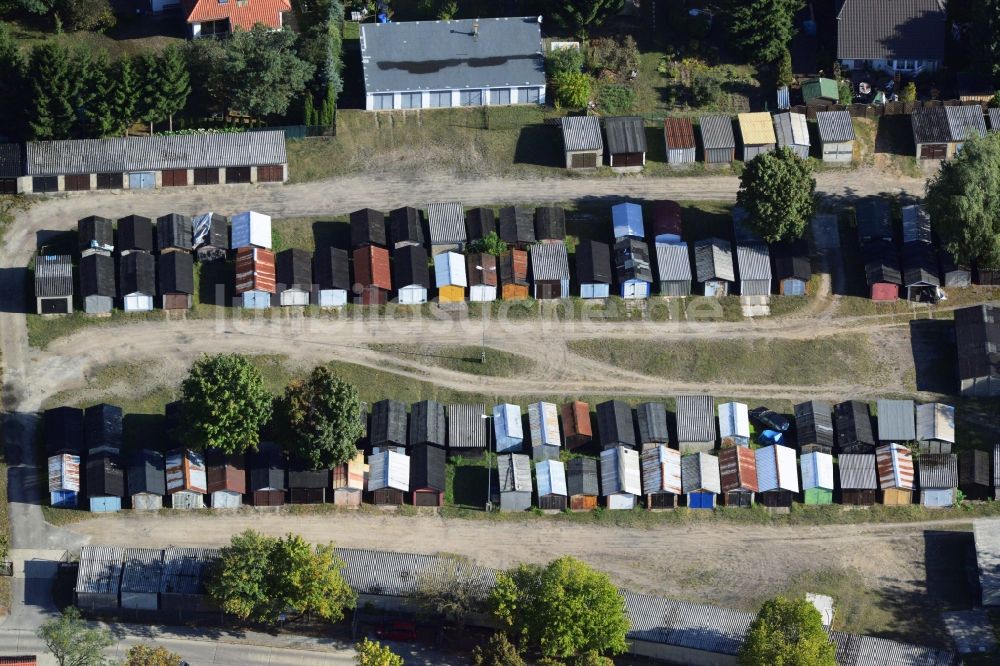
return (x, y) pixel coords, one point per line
(905, 36)
(467, 62)
(582, 143)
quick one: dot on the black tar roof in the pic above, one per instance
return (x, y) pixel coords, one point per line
(176, 273)
(330, 268)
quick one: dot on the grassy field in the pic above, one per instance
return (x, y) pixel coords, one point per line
(129, 37)
(856, 306)
(463, 359)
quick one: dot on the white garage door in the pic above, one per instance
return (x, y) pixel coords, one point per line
(138, 303)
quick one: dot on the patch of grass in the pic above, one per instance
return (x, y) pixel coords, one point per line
(58, 516)
(130, 37)
(860, 306)
(859, 609)
(464, 359)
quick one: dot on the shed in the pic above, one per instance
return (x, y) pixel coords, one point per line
(480, 223)
(507, 428)
(814, 426)
(974, 474)
(920, 272)
(977, 336)
(372, 278)
(406, 227)
(105, 482)
(882, 272)
(935, 427)
(874, 223)
(135, 234)
(185, 573)
(627, 220)
(147, 481)
(581, 484)
(225, 479)
(673, 263)
(210, 236)
(738, 475)
(621, 480)
(817, 477)
(792, 132)
(632, 268)
(836, 136)
(307, 485)
(821, 90)
(895, 420)
(349, 481)
(95, 235)
(102, 428)
(713, 260)
(964, 123)
(695, 422)
(293, 273)
(858, 479)
(916, 224)
(734, 424)
(652, 419)
(717, 139)
(777, 476)
(551, 478)
(582, 143)
(63, 427)
(791, 268)
(99, 577)
(543, 423)
(331, 271)
(550, 271)
(428, 424)
(593, 269)
(700, 480)
(517, 226)
(450, 278)
(952, 273)
(513, 268)
(931, 133)
(626, 142)
(514, 472)
(174, 232)
(661, 477)
(446, 226)
(678, 133)
(550, 223)
(894, 463)
(665, 222)
(467, 430)
(176, 278)
(255, 277)
(754, 264)
(54, 284)
(367, 228)
(97, 283)
(266, 478)
(938, 479)
(757, 133)
(142, 569)
(853, 421)
(250, 229)
(186, 479)
(137, 282)
(427, 475)
(614, 424)
(482, 271)
(410, 274)
(388, 424)
(577, 430)
(64, 480)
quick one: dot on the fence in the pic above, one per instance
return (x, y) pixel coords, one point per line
(875, 111)
(300, 131)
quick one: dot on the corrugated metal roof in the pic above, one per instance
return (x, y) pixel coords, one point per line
(835, 126)
(627, 220)
(53, 276)
(853, 650)
(895, 420)
(754, 261)
(936, 421)
(695, 418)
(389, 469)
(776, 469)
(930, 125)
(857, 471)
(895, 467)
(142, 569)
(817, 470)
(100, 570)
(466, 427)
(734, 420)
(632, 260)
(738, 469)
(756, 128)
(705, 628)
(678, 133)
(717, 132)
(994, 119)
(965, 122)
(713, 260)
(449, 270)
(446, 223)
(814, 424)
(10, 160)
(916, 224)
(673, 262)
(581, 477)
(543, 420)
(620, 471)
(185, 570)
(507, 422)
(549, 261)
(661, 471)
(652, 418)
(513, 267)
(581, 133)
(154, 153)
(700, 473)
(626, 134)
(551, 478)
(938, 470)
(514, 472)
(791, 129)
(255, 270)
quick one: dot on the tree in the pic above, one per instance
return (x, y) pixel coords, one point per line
(984, 43)
(308, 581)
(964, 202)
(579, 16)
(52, 87)
(263, 71)
(240, 581)
(763, 29)
(844, 93)
(149, 655)
(175, 82)
(151, 101)
(12, 82)
(563, 609)
(225, 404)
(787, 632)
(564, 60)
(102, 118)
(447, 589)
(592, 659)
(909, 92)
(95, 15)
(206, 66)
(124, 92)
(71, 642)
(319, 419)
(784, 74)
(499, 651)
(705, 90)
(373, 653)
(776, 190)
(572, 89)
(491, 243)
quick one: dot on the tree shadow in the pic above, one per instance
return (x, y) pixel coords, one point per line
(470, 485)
(215, 283)
(331, 234)
(933, 345)
(894, 136)
(539, 145)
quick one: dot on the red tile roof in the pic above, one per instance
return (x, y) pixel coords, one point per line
(242, 14)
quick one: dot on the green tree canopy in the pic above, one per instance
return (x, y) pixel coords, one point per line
(572, 89)
(579, 16)
(563, 609)
(763, 29)
(963, 200)
(12, 82)
(263, 71)
(175, 81)
(52, 87)
(319, 419)
(498, 651)
(373, 653)
(72, 642)
(151, 655)
(225, 404)
(491, 243)
(787, 633)
(124, 93)
(776, 190)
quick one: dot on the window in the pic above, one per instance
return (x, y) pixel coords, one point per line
(206, 176)
(237, 175)
(214, 28)
(528, 95)
(413, 100)
(45, 184)
(500, 96)
(109, 181)
(270, 173)
(440, 98)
(471, 98)
(382, 102)
(76, 182)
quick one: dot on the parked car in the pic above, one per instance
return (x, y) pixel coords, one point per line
(771, 419)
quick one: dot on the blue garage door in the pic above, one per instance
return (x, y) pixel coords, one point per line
(701, 500)
(105, 504)
(65, 498)
(471, 98)
(142, 180)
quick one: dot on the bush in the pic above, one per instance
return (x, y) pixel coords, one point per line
(909, 92)
(87, 14)
(499, 651)
(784, 75)
(572, 89)
(995, 102)
(564, 60)
(844, 92)
(620, 58)
(705, 90)
(615, 99)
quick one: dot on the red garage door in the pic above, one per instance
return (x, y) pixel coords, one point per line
(76, 182)
(271, 173)
(175, 177)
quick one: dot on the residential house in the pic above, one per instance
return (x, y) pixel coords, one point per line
(513, 268)
(550, 223)
(859, 482)
(753, 261)
(977, 336)
(490, 62)
(581, 484)
(187, 482)
(738, 475)
(661, 477)
(105, 483)
(713, 260)
(147, 480)
(734, 424)
(626, 219)
(467, 431)
(450, 277)
(695, 423)
(700, 480)
(176, 278)
(895, 421)
(266, 484)
(626, 143)
(952, 273)
(517, 226)
(757, 133)
(95, 235)
(678, 133)
(428, 424)
(64, 480)
(137, 282)
(388, 476)
(217, 18)
(577, 430)
(446, 227)
(817, 477)
(427, 475)
(411, 275)
(256, 281)
(905, 37)
(673, 264)
(210, 236)
(550, 271)
(582, 143)
(717, 139)
(593, 269)
(63, 428)
(225, 479)
(388, 425)
(614, 424)
(974, 474)
(102, 428)
(551, 479)
(777, 476)
(882, 271)
(791, 270)
(621, 481)
(665, 222)
(174, 232)
(938, 479)
(406, 227)
(349, 481)
(814, 426)
(305, 484)
(853, 421)
(935, 428)
(652, 420)
(372, 278)
(508, 430)
(836, 136)
(894, 463)
(920, 276)
(514, 472)
(367, 228)
(632, 268)
(482, 272)
(54, 284)
(543, 424)
(250, 229)
(331, 273)
(820, 91)
(792, 132)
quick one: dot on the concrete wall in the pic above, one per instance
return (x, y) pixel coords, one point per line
(25, 184)
(516, 96)
(679, 655)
